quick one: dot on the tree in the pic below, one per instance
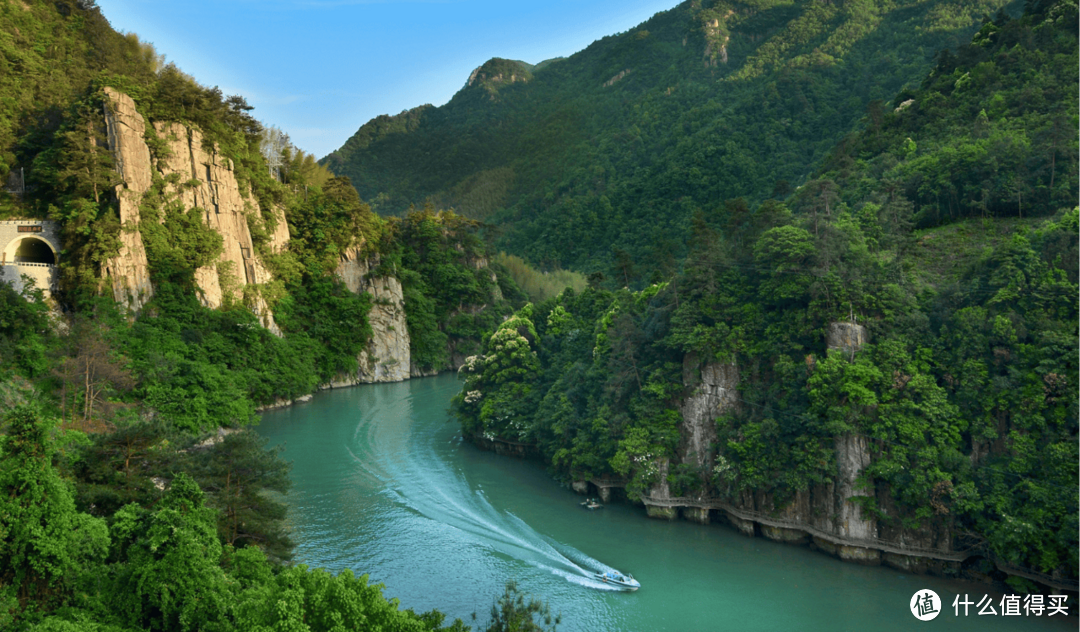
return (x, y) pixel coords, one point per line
(91, 369)
(117, 468)
(171, 578)
(44, 543)
(25, 331)
(623, 267)
(273, 143)
(86, 165)
(817, 198)
(515, 611)
(236, 473)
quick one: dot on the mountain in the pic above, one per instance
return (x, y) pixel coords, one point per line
(198, 269)
(883, 364)
(617, 146)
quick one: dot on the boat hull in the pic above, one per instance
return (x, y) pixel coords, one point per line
(621, 585)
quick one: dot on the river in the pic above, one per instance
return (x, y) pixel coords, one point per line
(384, 485)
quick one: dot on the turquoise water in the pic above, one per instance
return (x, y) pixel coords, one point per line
(382, 484)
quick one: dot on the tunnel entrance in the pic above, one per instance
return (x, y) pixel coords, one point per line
(34, 250)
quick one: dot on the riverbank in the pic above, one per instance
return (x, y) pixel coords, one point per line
(384, 484)
(969, 563)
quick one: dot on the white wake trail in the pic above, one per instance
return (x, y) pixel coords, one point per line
(418, 478)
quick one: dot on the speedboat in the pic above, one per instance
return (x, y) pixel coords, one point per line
(615, 578)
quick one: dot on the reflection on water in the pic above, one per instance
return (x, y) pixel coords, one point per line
(382, 484)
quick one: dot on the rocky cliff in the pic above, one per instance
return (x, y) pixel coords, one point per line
(832, 510)
(710, 392)
(845, 336)
(208, 182)
(128, 272)
(387, 357)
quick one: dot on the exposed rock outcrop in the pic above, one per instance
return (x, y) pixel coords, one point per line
(712, 391)
(846, 336)
(830, 508)
(128, 272)
(716, 38)
(617, 78)
(387, 357)
(208, 182)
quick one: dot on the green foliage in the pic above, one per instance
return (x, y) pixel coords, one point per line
(50, 53)
(300, 598)
(327, 321)
(45, 545)
(161, 393)
(190, 368)
(327, 221)
(163, 566)
(497, 396)
(177, 240)
(25, 331)
(538, 286)
(172, 579)
(515, 611)
(988, 133)
(244, 481)
(451, 297)
(966, 399)
(615, 148)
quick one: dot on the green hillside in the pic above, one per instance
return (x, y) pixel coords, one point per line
(124, 504)
(947, 228)
(618, 145)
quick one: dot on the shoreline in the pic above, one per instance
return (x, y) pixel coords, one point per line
(946, 565)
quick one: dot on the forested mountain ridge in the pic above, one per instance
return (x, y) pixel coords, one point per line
(887, 356)
(616, 146)
(133, 494)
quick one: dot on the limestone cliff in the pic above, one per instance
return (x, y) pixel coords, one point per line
(712, 387)
(208, 183)
(387, 357)
(831, 510)
(128, 272)
(710, 391)
(846, 336)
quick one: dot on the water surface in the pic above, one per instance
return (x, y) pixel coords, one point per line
(383, 485)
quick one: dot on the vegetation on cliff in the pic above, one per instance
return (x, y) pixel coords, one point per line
(913, 228)
(135, 497)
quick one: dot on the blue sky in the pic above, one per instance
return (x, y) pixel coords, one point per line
(319, 69)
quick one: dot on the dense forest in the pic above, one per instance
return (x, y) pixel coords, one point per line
(947, 227)
(133, 496)
(734, 176)
(606, 155)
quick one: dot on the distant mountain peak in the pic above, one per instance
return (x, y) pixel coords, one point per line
(496, 72)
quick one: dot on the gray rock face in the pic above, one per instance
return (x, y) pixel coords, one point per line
(387, 357)
(846, 336)
(711, 388)
(829, 508)
(852, 457)
(208, 183)
(129, 271)
(712, 392)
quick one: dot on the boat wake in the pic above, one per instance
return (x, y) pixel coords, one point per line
(413, 476)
